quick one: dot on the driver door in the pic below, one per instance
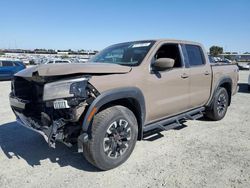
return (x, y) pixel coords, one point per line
(168, 90)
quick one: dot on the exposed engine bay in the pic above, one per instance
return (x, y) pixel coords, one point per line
(52, 106)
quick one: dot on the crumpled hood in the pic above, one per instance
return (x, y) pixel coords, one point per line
(74, 68)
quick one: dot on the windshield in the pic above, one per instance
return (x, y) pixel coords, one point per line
(130, 53)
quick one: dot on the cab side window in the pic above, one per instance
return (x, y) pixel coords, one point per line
(7, 64)
(195, 55)
(170, 51)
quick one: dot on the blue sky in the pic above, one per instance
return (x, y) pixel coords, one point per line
(94, 24)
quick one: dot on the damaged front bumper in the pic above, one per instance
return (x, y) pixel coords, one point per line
(54, 131)
(50, 134)
(24, 121)
(55, 109)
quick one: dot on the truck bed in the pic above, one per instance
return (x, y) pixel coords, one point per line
(224, 70)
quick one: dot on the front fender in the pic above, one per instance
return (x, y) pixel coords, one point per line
(113, 95)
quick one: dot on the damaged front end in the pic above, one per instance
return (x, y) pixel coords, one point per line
(53, 107)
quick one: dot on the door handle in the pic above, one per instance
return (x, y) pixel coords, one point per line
(184, 75)
(206, 73)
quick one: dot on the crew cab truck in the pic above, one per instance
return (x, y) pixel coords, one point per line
(123, 94)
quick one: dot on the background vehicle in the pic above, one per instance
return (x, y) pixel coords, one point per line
(225, 60)
(8, 68)
(123, 94)
(243, 65)
(249, 81)
(83, 60)
(57, 61)
(218, 60)
(211, 59)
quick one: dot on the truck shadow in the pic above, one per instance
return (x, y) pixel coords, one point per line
(243, 88)
(19, 142)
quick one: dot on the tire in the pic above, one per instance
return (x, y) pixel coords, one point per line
(114, 134)
(248, 87)
(219, 106)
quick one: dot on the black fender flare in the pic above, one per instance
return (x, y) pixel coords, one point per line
(113, 95)
(221, 81)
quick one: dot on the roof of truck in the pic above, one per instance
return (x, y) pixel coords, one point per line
(178, 41)
(170, 41)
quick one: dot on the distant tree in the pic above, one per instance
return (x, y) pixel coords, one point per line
(247, 53)
(2, 53)
(216, 50)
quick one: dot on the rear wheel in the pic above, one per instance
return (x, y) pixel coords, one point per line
(219, 106)
(114, 134)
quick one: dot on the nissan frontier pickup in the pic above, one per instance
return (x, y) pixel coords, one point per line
(123, 94)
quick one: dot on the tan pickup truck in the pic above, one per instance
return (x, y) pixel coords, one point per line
(125, 93)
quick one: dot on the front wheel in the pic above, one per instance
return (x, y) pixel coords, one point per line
(219, 106)
(114, 134)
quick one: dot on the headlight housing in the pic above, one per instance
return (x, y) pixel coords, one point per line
(78, 89)
(65, 89)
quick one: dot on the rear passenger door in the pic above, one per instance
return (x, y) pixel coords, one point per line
(199, 76)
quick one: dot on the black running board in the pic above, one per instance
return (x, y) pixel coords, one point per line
(172, 122)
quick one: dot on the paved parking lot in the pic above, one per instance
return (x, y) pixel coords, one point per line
(201, 154)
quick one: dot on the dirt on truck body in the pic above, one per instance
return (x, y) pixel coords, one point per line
(125, 93)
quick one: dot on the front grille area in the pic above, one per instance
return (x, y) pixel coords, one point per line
(29, 91)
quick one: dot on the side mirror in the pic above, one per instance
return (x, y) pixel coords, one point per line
(163, 64)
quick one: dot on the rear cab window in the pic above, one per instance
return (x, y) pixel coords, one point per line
(195, 55)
